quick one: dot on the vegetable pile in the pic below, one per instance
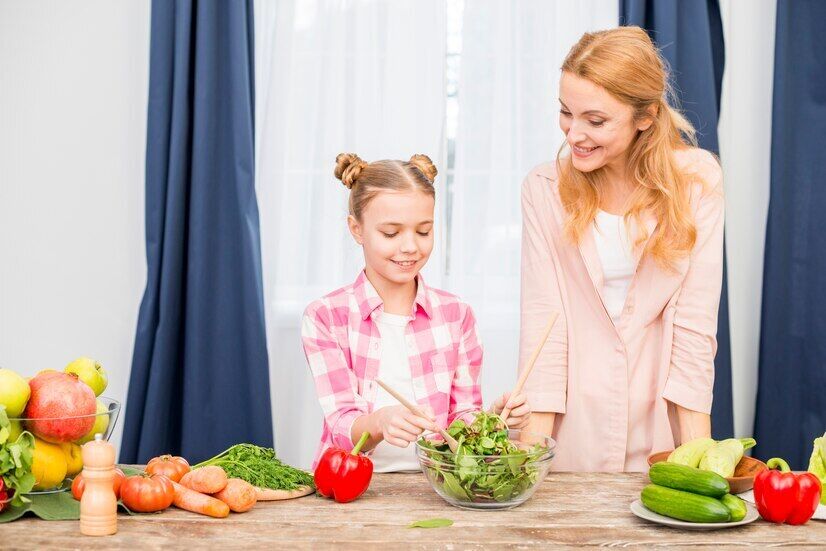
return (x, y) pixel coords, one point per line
(230, 481)
(709, 455)
(487, 466)
(691, 494)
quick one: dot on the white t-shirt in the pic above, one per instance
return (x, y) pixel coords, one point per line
(616, 255)
(394, 369)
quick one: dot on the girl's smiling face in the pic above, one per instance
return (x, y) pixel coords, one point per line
(396, 233)
(598, 127)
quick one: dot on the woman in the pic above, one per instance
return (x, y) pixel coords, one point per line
(623, 236)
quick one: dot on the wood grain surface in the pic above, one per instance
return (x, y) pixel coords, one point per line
(569, 510)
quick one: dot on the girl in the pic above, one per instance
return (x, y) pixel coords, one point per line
(623, 235)
(388, 324)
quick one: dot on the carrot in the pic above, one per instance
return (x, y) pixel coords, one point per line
(238, 494)
(207, 480)
(190, 500)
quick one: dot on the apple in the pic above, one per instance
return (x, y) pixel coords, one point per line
(90, 372)
(61, 407)
(14, 392)
(100, 426)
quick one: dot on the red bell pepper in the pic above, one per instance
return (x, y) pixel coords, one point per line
(782, 496)
(4, 494)
(344, 476)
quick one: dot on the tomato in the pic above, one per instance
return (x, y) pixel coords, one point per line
(172, 467)
(147, 493)
(78, 484)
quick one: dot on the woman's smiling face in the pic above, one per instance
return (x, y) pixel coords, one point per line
(598, 127)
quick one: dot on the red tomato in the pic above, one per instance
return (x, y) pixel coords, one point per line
(147, 493)
(172, 467)
(78, 484)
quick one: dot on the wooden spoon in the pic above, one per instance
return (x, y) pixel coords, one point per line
(531, 361)
(451, 442)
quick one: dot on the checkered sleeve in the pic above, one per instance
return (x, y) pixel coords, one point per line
(335, 382)
(466, 392)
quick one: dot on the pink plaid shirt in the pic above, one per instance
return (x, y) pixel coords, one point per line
(343, 347)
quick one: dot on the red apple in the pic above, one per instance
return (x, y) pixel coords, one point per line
(57, 405)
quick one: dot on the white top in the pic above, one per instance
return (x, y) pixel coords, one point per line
(394, 369)
(616, 254)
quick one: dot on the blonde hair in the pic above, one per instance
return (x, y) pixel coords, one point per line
(627, 65)
(366, 180)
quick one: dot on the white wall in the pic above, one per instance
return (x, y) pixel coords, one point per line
(73, 92)
(745, 142)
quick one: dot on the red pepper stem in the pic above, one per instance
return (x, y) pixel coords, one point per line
(778, 462)
(362, 441)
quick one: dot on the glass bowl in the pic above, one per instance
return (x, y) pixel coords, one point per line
(487, 482)
(46, 428)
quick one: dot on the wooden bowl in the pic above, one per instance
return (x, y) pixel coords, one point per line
(744, 473)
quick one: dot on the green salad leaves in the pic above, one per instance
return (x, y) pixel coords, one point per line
(16, 460)
(487, 466)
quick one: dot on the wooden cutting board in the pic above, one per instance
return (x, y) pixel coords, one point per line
(266, 494)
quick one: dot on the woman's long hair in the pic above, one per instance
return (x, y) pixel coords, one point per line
(626, 63)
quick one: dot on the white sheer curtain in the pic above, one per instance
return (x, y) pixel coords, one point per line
(331, 76)
(745, 151)
(507, 124)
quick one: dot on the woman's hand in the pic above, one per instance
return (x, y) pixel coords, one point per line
(520, 410)
(399, 427)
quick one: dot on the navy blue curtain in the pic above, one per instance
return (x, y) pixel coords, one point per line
(791, 396)
(690, 36)
(199, 380)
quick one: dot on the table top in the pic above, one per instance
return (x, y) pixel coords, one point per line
(569, 509)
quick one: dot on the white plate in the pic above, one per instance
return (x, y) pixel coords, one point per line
(820, 512)
(644, 513)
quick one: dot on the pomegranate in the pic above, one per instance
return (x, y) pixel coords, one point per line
(57, 405)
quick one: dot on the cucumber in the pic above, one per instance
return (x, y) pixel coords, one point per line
(684, 505)
(689, 479)
(736, 507)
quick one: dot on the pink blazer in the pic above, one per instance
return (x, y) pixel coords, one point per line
(614, 387)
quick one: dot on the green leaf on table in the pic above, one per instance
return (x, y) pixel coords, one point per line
(431, 523)
(129, 471)
(58, 506)
(14, 512)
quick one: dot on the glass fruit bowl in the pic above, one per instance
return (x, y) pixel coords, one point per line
(56, 457)
(485, 481)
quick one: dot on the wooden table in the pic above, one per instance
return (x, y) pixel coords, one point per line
(574, 510)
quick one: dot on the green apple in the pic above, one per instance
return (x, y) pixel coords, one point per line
(14, 392)
(90, 372)
(100, 426)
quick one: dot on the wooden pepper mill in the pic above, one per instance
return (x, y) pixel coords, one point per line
(98, 505)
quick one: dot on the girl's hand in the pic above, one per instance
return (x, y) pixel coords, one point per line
(400, 427)
(520, 409)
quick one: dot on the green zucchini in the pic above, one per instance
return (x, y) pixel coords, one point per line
(689, 479)
(736, 507)
(684, 505)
